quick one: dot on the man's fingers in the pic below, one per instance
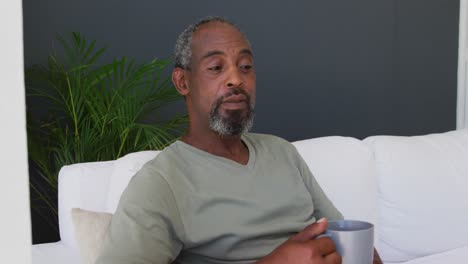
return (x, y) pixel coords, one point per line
(324, 245)
(333, 258)
(312, 231)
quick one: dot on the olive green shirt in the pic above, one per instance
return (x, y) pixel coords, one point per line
(189, 206)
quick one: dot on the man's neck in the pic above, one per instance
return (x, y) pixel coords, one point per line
(230, 147)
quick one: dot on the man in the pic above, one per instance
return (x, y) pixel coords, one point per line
(221, 195)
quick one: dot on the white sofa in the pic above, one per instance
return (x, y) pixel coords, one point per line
(414, 189)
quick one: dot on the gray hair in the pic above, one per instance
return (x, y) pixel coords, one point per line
(183, 46)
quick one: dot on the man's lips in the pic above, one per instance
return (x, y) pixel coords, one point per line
(235, 98)
(232, 105)
(235, 102)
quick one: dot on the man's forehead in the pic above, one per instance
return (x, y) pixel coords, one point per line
(218, 34)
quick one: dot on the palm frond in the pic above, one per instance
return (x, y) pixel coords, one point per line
(94, 112)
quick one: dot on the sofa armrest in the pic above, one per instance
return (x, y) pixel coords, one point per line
(83, 185)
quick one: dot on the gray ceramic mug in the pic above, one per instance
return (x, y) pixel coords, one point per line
(354, 240)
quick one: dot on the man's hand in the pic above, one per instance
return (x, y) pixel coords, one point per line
(305, 247)
(377, 259)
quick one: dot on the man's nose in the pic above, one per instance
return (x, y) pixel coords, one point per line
(234, 78)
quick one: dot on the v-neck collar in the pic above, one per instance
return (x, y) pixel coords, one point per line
(245, 140)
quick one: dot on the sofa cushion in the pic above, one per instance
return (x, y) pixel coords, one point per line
(90, 230)
(458, 255)
(124, 169)
(54, 253)
(423, 186)
(345, 170)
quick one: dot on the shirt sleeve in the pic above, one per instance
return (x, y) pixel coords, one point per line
(146, 228)
(323, 207)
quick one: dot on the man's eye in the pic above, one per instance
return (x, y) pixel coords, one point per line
(246, 67)
(215, 68)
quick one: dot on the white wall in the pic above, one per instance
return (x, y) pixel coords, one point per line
(15, 223)
(462, 94)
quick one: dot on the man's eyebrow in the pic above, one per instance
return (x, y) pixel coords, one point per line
(218, 52)
(246, 51)
(212, 53)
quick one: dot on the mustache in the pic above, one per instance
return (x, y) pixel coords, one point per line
(234, 91)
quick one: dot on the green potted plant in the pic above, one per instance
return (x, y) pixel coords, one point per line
(93, 112)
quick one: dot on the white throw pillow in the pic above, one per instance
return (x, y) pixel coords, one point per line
(90, 231)
(423, 186)
(124, 169)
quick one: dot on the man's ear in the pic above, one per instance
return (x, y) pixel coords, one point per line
(179, 79)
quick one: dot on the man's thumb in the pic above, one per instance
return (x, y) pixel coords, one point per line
(312, 231)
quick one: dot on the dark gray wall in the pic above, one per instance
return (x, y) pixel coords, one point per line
(336, 67)
(342, 67)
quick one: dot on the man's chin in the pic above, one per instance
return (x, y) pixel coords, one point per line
(230, 127)
(233, 115)
(231, 122)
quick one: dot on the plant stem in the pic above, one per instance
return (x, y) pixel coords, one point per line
(126, 132)
(75, 119)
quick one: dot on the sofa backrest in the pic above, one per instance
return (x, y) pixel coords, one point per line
(344, 168)
(124, 169)
(422, 193)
